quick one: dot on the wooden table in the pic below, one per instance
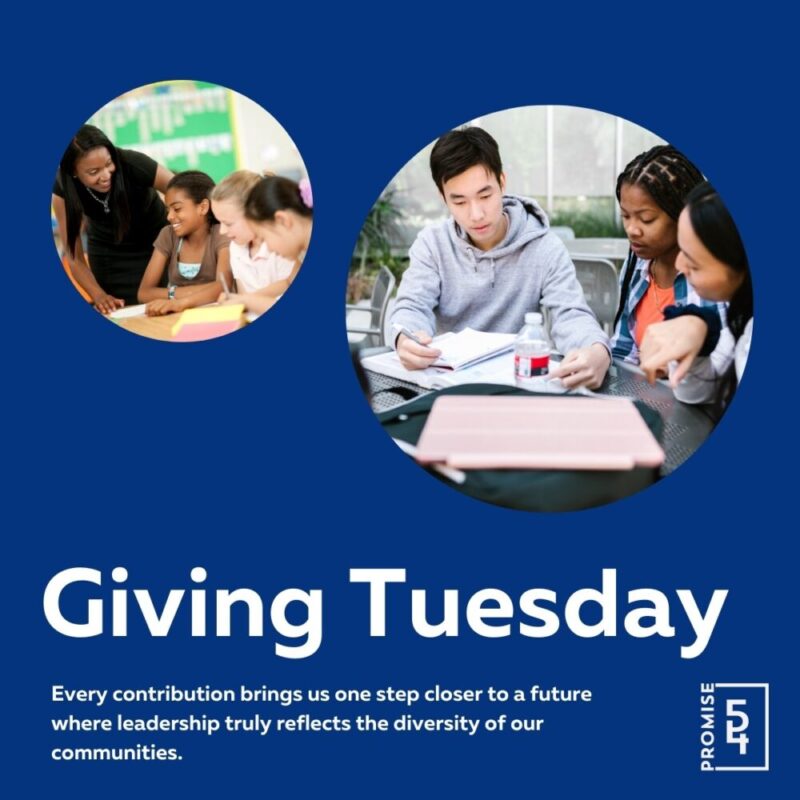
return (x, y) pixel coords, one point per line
(151, 327)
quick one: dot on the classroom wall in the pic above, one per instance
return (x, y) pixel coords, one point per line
(263, 143)
(195, 125)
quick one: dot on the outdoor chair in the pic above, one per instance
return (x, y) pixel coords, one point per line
(564, 232)
(600, 283)
(378, 305)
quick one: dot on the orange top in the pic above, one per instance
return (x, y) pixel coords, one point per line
(651, 308)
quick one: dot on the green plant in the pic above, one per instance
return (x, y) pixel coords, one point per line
(374, 245)
(588, 217)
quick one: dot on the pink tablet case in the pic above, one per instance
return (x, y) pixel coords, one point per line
(537, 433)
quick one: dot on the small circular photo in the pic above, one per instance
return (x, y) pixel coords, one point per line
(181, 211)
(549, 308)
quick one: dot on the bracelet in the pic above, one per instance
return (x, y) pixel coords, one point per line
(171, 292)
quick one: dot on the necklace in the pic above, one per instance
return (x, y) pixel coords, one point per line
(103, 203)
(661, 304)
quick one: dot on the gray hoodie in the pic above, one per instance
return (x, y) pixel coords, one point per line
(450, 284)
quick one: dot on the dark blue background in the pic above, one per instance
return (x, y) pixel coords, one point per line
(256, 457)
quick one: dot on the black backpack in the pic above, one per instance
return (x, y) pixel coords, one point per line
(527, 490)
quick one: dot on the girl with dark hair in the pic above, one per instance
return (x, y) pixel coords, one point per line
(115, 192)
(281, 212)
(714, 261)
(190, 249)
(253, 266)
(651, 192)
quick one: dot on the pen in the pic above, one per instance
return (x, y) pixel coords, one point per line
(406, 332)
(225, 290)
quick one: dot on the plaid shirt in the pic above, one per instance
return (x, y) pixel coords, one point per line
(623, 343)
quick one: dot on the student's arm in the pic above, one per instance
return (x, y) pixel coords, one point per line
(264, 298)
(163, 177)
(574, 328)
(261, 300)
(413, 355)
(185, 297)
(103, 302)
(149, 288)
(700, 382)
(417, 299)
(679, 339)
(252, 301)
(572, 324)
(681, 344)
(623, 340)
(586, 366)
(188, 296)
(277, 288)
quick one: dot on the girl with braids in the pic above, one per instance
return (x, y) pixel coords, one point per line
(280, 212)
(651, 192)
(115, 192)
(714, 261)
(191, 250)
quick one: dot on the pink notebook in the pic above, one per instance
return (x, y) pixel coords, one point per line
(200, 331)
(470, 432)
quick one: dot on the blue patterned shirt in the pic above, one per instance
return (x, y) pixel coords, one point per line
(623, 343)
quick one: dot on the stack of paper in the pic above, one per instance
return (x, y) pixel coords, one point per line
(128, 311)
(208, 322)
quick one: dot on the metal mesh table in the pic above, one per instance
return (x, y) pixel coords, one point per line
(685, 427)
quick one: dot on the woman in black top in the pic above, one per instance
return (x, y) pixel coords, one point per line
(116, 192)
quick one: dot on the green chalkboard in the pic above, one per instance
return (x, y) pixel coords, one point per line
(181, 124)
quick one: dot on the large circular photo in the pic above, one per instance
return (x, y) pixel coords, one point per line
(549, 308)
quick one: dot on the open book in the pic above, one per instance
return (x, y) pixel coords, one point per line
(467, 357)
(494, 370)
(469, 347)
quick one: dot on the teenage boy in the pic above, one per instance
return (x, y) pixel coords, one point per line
(494, 260)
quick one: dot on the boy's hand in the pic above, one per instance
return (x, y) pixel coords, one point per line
(586, 366)
(413, 355)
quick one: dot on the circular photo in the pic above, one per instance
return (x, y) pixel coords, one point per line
(181, 211)
(549, 308)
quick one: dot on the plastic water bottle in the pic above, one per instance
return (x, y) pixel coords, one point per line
(531, 351)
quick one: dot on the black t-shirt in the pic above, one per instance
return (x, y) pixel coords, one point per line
(148, 215)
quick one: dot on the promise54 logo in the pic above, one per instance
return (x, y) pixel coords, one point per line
(734, 727)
